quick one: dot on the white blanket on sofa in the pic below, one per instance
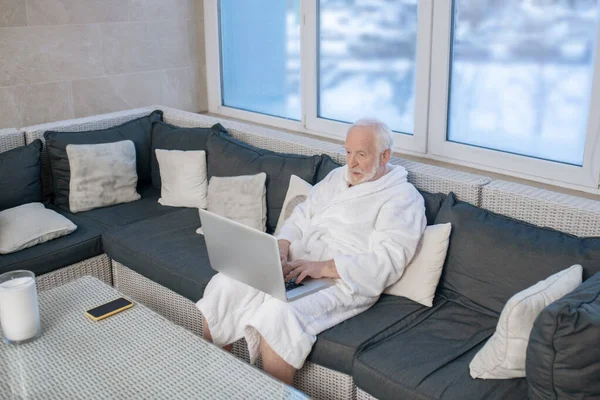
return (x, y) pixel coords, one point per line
(371, 231)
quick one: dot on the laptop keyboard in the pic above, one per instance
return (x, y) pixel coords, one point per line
(292, 285)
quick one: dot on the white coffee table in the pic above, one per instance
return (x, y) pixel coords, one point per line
(135, 354)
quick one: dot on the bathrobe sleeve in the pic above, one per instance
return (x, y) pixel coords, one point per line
(392, 244)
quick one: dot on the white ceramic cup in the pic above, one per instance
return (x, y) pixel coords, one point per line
(19, 311)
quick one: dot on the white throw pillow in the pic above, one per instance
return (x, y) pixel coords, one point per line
(240, 198)
(297, 192)
(503, 355)
(422, 275)
(101, 175)
(30, 224)
(183, 178)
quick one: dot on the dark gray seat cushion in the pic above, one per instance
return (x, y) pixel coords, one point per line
(563, 354)
(20, 175)
(337, 347)
(84, 243)
(127, 213)
(138, 131)
(230, 157)
(170, 137)
(165, 249)
(430, 360)
(491, 257)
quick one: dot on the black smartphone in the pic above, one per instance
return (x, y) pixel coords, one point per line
(108, 309)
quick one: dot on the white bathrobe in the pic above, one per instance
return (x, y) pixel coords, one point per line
(371, 230)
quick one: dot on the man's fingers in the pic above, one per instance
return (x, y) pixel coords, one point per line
(301, 277)
(294, 264)
(293, 268)
(287, 269)
(289, 266)
(291, 275)
(294, 273)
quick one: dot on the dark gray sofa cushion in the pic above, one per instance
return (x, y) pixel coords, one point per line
(137, 130)
(337, 347)
(170, 137)
(230, 157)
(433, 203)
(563, 355)
(430, 360)
(20, 175)
(491, 257)
(327, 165)
(127, 213)
(165, 249)
(84, 243)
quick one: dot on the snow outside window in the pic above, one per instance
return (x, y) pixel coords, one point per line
(367, 61)
(521, 76)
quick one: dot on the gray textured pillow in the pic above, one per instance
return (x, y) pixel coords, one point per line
(102, 175)
(240, 198)
(227, 156)
(30, 224)
(137, 130)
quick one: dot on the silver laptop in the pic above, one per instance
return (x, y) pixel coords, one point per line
(252, 257)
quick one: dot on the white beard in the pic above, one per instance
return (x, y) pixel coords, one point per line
(366, 175)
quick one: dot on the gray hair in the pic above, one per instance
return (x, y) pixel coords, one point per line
(383, 134)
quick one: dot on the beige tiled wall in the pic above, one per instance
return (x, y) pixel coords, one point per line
(73, 58)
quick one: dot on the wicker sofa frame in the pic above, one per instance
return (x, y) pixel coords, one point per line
(541, 207)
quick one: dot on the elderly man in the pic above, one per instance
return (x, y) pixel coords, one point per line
(360, 226)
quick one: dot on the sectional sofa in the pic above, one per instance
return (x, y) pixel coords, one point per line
(505, 238)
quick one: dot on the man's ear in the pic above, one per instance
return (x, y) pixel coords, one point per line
(385, 156)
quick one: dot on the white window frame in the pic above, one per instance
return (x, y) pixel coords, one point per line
(586, 176)
(415, 144)
(213, 77)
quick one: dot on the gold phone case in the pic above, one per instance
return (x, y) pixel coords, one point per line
(110, 313)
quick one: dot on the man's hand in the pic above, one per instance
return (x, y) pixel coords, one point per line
(300, 269)
(284, 251)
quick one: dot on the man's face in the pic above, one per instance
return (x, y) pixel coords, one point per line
(362, 156)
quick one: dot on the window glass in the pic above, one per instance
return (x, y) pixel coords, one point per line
(260, 56)
(367, 56)
(521, 76)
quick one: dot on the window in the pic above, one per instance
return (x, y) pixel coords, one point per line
(367, 61)
(260, 56)
(515, 88)
(507, 86)
(521, 76)
(356, 58)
